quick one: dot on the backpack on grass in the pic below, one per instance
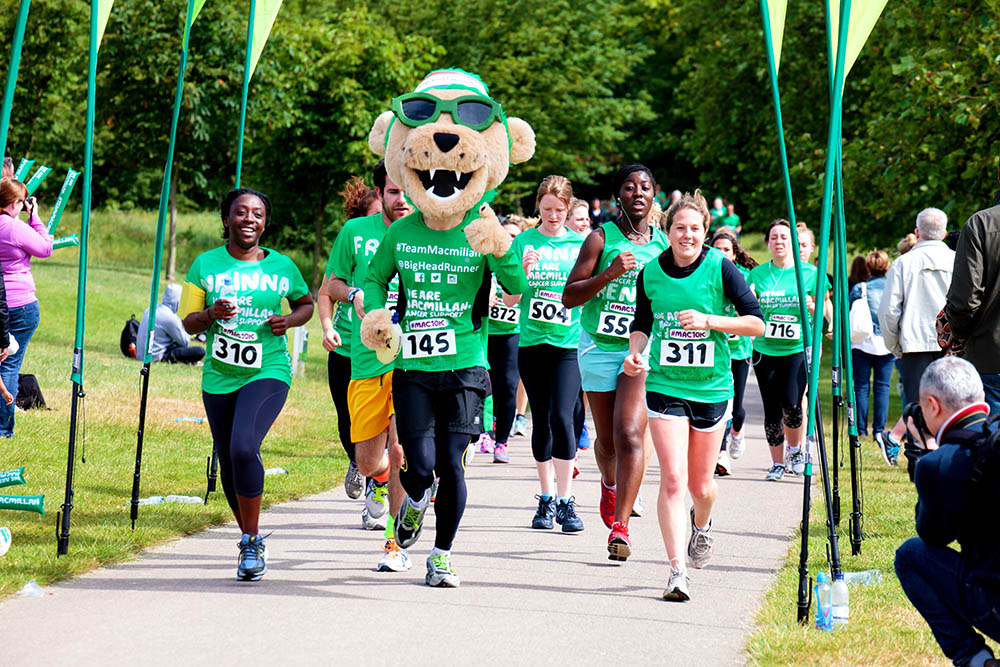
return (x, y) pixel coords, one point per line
(29, 394)
(130, 336)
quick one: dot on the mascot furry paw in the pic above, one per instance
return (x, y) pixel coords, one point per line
(380, 333)
(449, 145)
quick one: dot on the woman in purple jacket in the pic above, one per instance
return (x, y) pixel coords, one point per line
(19, 242)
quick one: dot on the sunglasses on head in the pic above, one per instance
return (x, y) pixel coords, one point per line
(473, 111)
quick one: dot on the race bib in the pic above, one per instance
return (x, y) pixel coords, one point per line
(506, 314)
(615, 324)
(687, 354)
(783, 330)
(550, 312)
(424, 344)
(236, 353)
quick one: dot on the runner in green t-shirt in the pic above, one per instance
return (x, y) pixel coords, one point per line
(546, 353)
(501, 352)
(247, 373)
(370, 391)
(740, 350)
(681, 313)
(604, 283)
(336, 320)
(440, 376)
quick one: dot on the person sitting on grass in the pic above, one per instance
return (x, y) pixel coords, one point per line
(170, 342)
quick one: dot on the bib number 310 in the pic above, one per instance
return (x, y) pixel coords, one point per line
(553, 312)
(422, 344)
(236, 352)
(690, 353)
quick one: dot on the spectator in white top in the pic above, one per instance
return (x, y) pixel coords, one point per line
(915, 291)
(171, 343)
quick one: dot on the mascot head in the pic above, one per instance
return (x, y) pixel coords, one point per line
(448, 142)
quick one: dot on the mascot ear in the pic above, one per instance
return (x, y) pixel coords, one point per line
(376, 138)
(522, 140)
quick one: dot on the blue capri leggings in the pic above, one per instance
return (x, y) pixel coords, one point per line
(239, 421)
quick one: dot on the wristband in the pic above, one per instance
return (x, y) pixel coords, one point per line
(350, 295)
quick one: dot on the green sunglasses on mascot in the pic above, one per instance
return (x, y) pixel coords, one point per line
(473, 111)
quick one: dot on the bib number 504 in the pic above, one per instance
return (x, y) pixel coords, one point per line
(553, 312)
(428, 344)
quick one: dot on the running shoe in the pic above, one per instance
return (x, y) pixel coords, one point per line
(776, 472)
(544, 514)
(736, 445)
(619, 545)
(607, 505)
(394, 559)
(354, 482)
(576, 467)
(723, 466)
(440, 573)
(486, 444)
(677, 586)
(566, 516)
(584, 441)
(520, 426)
(253, 558)
(889, 448)
(409, 522)
(637, 507)
(500, 453)
(796, 461)
(377, 499)
(701, 546)
(370, 523)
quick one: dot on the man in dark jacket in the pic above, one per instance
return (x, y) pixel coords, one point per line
(955, 592)
(973, 306)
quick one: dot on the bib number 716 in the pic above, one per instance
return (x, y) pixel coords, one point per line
(783, 330)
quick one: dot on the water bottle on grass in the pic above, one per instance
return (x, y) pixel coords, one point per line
(840, 602)
(823, 595)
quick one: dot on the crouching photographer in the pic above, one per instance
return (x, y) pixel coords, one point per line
(957, 592)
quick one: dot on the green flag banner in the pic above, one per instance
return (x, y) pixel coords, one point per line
(23, 167)
(267, 11)
(12, 477)
(776, 19)
(66, 242)
(26, 503)
(195, 10)
(37, 179)
(864, 16)
(64, 192)
(103, 12)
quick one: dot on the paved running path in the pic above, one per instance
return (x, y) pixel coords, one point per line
(526, 596)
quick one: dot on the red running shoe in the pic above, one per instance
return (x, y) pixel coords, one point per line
(607, 505)
(619, 545)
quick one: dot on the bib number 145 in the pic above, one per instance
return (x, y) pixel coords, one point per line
(422, 344)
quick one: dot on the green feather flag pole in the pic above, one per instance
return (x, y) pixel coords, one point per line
(98, 9)
(259, 23)
(154, 287)
(14, 64)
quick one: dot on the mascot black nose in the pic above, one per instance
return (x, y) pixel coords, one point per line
(445, 141)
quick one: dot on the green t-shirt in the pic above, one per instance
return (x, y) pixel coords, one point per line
(740, 347)
(779, 302)
(343, 313)
(250, 351)
(440, 277)
(688, 363)
(544, 320)
(717, 212)
(728, 221)
(352, 252)
(608, 316)
(503, 320)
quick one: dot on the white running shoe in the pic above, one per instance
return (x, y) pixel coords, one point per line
(377, 498)
(797, 462)
(776, 472)
(368, 522)
(677, 586)
(520, 426)
(354, 481)
(723, 466)
(736, 445)
(701, 546)
(637, 506)
(395, 559)
(440, 573)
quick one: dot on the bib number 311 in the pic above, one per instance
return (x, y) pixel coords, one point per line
(422, 344)
(688, 354)
(236, 352)
(552, 312)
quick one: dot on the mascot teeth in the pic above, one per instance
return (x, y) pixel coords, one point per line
(443, 184)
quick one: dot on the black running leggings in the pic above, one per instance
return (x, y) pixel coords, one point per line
(338, 373)
(741, 369)
(502, 353)
(239, 421)
(782, 382)
(444, 455)
(551, 377)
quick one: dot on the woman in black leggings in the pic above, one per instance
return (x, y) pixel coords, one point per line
(247, 373)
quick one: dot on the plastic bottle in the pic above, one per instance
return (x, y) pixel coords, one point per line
(865, 578)
(840, 602)
(276, 471)
(227, 292)
(823, 595)
(193, 500)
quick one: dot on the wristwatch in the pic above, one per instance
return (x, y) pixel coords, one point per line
(352, 293)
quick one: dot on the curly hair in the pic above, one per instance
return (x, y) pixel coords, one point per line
(740, 255)
(357, 197)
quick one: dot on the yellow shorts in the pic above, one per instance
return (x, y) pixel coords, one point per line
(369, 402)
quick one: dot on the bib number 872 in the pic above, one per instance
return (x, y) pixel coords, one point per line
(236, 353)
(673, 353)
(553, 312)
(428, 344)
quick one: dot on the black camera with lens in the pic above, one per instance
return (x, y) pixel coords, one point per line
(912, 448)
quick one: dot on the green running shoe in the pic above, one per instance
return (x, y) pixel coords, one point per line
(440, 573)
(409, 522)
